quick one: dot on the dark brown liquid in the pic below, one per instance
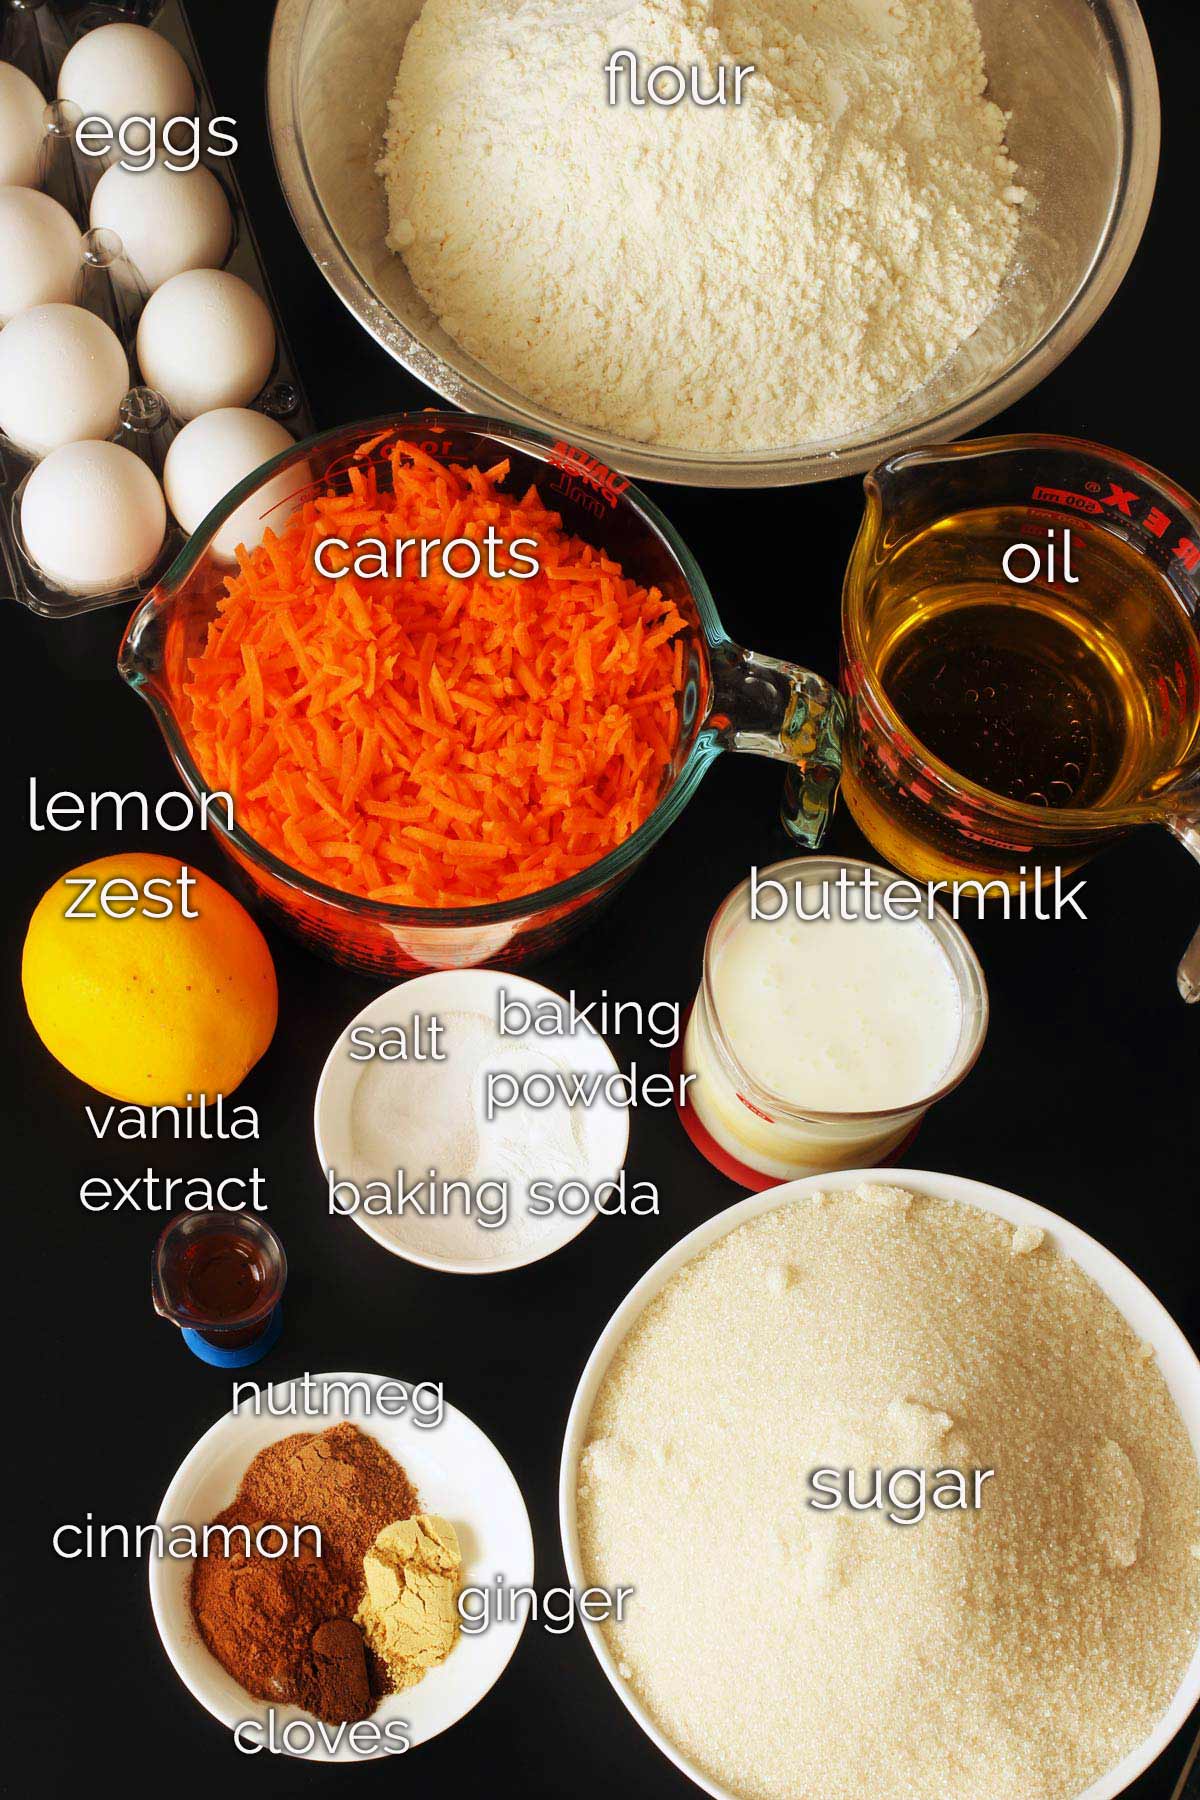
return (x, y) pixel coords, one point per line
(1014, 698)
(221, 1276)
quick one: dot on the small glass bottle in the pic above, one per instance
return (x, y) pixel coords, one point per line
(220, 1277)
(759, 1137)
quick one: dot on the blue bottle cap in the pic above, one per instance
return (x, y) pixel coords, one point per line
(245, 1354)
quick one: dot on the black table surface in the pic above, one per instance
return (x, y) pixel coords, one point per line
(1084, 1098)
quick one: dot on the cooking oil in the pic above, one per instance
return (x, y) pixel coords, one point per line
(1077, 688)
(1026, 699)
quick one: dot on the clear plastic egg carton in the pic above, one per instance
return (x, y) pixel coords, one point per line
(36, 35)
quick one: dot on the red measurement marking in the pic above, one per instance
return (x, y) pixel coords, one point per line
(1064, 497)
(1166, 700)
(1120, 498)
(588, 469)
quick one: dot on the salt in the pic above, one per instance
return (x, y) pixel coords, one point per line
(432, 1116)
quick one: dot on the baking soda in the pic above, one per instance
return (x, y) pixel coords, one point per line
(430, 1121)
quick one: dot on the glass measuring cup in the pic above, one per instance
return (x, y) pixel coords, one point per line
(729, 698)
(220, 1277)
(939, 516)
(765, 1134)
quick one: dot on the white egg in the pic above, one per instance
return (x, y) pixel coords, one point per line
(206, 339)
(22, 106)
(93, 517)
(216, 451)
(124, 71)
(41, 250)
(167, 222)
(63, 375)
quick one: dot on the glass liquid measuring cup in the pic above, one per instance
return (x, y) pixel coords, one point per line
(1114, 711)
(767, 1136)
(729, 698)
(220, 1278)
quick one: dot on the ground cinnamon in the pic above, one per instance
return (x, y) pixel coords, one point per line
(259, 1615)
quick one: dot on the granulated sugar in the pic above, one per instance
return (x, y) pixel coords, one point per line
(1013, 1652)
(713, 277)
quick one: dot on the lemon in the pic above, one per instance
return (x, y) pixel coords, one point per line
(150, 1009)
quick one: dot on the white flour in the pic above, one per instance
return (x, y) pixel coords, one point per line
(720, 278)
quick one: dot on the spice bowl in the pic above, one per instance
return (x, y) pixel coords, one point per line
(728, 698)
(457, 1472)
(1146, 1316)
(601, 1130)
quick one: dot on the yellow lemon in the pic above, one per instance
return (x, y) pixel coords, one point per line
(141, 1002)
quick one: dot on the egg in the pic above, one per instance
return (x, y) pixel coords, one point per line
(93, 517)
(167, 222)
(206, 339)
(22, 107)
(41, 250)
(63, 375)
(211, 455)
(122, 71)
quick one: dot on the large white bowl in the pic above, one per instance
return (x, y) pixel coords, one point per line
(1148, 1317)
(456, 1470)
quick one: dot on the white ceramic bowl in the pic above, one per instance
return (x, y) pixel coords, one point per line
(453, 990)
(1129, 1295)
(457, 1471)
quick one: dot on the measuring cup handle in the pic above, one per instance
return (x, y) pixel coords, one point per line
(769, 708)
(1186, 827)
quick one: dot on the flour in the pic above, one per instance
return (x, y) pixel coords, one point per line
(717, 278)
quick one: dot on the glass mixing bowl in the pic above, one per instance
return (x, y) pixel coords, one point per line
(1077, 76)
(729, 699)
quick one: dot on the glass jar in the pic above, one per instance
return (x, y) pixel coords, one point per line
(750, 1131)
(220, 1277)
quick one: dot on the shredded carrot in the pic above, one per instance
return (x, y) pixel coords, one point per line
(432, 740)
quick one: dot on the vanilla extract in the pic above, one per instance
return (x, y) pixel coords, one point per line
(200, 1120)
(221, 1275)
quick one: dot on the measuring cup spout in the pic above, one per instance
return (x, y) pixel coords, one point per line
(769, 708)
(141, 656)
